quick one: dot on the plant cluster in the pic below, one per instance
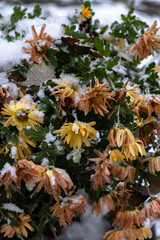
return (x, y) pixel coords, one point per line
(85, 115)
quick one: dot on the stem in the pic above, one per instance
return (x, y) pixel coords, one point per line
(42, 237)
(112, 84)
(118, 112)
(52, 228)
(18, 234)
(147, 187)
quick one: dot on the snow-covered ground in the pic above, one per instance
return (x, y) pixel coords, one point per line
(91, 227)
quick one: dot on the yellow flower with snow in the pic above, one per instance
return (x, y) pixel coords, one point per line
(133, 149)
(133, 93)
(20, 226)
(22, 113)
(77, 132)
(23, 147)
(116, 155)
(86, 13)
(18, 150)
(68, 90)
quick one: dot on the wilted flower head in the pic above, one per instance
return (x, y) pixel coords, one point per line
(98, 207)
(54, 179)
(39, 44)
(77, 132)
(68, 91)
(154, 164)
(29, 171)
(120, 137)
(65, 208)
(154, 106)
(151, 209)
(133, 93)
(5, 95)
(124, 173)
(116, 155)
(147, 130)
(22, 113)
(22, 222)
(133, 150)
(96, 98)
(102, 175)
(144, 45)
(23, 146)
(142, 233)
(128, 218)
(135, 233)
(86, 13)
(8, 175)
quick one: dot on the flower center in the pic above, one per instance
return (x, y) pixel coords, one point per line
(97, 99)
(41, 46)
(22, 115)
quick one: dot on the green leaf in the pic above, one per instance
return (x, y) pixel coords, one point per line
(36, 13)
(70, 31)
(98, 43)
(112, 62)
(51, 56)
(101, 48)
(104, 29)
(37, 135)
(37, 10)
(18, 14)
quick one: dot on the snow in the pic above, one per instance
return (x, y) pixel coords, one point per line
(11, 54)
(75, 128)
(13, 151)
(40, 93)
(45, 162)
(90, 227)
(4, 82)
(12, 207)
(8, 168)
(63, 172)
(52, 178)
(49, 138)
(75, 155)
(39, 114)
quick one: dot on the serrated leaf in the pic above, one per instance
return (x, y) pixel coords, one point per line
(37, 135)
(112, 62)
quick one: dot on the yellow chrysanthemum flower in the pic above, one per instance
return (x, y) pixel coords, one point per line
(133, 149)
(86, 13)
(22, 113)
(116, 155)
(20, 227)
(77, 132)
(21, 149)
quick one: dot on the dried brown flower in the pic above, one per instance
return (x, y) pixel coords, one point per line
(39, 44)
(96, 98)
(98, 207)
(151, 209)
(144, 45)
(66, 208)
